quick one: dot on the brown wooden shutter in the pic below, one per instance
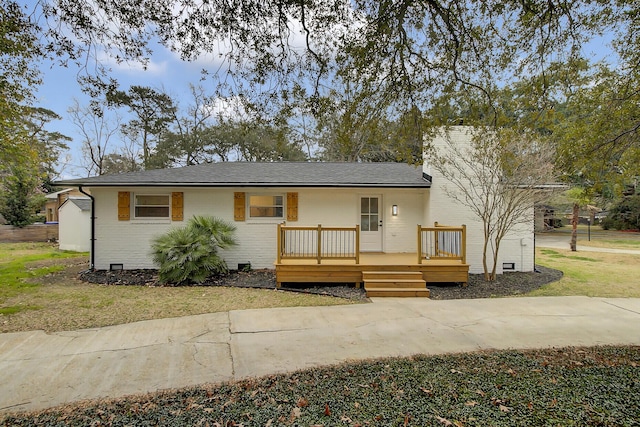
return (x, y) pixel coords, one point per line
(238, 206)
(292, 206)
(177, 206)
(124, 205)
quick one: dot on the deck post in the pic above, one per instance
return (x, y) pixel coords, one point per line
(357, 243)
(319, 239)
(279, 244)
(419, 244)
(436, 243)
(464, 244)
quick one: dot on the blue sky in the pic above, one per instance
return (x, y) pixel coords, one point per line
(60, 87)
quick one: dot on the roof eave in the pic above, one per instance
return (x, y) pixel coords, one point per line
(247, 184)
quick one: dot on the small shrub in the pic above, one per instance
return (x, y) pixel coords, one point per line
(190, 254)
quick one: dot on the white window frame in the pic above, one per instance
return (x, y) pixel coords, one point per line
(135, 206)
(267, 218)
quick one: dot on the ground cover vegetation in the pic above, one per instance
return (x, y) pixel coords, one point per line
(595, 386)
(15, 271)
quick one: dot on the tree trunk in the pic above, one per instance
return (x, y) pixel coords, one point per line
(495, 262)
(485, 266)
(574, 227)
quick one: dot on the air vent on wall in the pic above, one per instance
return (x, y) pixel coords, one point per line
(509, 266)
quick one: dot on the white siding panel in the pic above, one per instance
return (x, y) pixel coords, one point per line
(74, 228)
(400, 234)
(329, 207)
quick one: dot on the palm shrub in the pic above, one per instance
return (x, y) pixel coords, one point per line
(190, 254)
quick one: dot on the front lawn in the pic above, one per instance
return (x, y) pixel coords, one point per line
(593, 274)
(39, 290)
(553, 387)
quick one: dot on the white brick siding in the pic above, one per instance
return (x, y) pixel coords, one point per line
(516, 247)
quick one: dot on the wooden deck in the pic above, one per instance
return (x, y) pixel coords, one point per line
(347, 271)
(332, 255)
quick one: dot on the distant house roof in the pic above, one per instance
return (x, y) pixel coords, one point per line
(277, 174)
(55, 195)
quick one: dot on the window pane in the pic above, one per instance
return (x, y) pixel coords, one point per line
(152, 200)
(152, 211)
(364, 205)
(265, 200)
(373, 223)
(373, 203)
(265, 212)
(364, 222)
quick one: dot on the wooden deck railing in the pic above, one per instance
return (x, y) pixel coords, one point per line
(324, 243)
(318, 243)
(442, 242)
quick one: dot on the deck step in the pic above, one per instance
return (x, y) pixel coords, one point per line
(397, 292)
(394, 284)
(374, 275)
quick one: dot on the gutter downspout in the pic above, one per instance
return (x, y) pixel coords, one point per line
(92, 254)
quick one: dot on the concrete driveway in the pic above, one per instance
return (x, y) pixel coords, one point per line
(39, 370)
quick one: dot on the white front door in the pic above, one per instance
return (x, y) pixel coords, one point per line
(371, 223)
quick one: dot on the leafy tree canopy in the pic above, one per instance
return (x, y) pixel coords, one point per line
(410, 48)
(19, 48)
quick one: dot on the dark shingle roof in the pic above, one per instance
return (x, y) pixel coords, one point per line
(277, 174)
(83, 204)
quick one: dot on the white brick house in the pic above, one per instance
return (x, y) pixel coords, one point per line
(387, 201)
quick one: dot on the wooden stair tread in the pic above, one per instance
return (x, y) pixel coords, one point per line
(398, 292)
(393, 283)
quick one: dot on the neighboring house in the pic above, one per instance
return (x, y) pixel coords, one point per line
(313, 222)
(55, 200)
(74, 226)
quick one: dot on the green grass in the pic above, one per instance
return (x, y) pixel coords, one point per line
(6, 311)
(597, 275)
(17, 270)
(553, 387)
(556, 255)
(611, 243)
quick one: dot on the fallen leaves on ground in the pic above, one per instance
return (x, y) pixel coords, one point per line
(594, 386)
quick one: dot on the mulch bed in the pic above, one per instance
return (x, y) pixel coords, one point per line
(507, 284)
